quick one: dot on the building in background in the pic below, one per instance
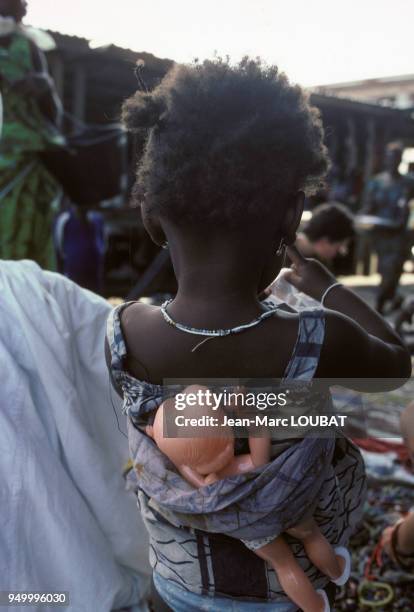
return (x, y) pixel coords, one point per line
(94, 81)
(395, 91)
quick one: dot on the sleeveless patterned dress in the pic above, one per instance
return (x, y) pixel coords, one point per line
(196, 534)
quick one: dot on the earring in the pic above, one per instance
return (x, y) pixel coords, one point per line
(290, 239)
(281, 247)
(164, 245)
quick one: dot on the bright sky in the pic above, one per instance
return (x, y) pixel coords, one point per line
(314, 41)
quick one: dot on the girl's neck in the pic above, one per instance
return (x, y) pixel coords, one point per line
(215, 296)
(219, 274)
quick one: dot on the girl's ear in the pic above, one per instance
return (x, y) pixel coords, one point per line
(153, 227)
(292, 218)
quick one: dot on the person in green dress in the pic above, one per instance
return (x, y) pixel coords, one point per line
(31, 118)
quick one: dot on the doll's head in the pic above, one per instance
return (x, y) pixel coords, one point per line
(206, 454)
(230, 149)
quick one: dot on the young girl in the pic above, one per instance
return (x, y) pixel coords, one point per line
(229, 154)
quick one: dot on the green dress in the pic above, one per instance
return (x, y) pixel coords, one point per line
(27, 190)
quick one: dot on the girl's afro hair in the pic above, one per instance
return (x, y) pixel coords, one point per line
(224, 144)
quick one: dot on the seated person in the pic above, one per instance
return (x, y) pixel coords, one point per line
(328, 233)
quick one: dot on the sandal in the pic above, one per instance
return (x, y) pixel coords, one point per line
(327, 607)
(341, 551)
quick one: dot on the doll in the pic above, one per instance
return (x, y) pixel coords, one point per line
(202, 461)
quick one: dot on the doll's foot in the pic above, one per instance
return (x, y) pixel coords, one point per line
(344, 560)
(324, 597)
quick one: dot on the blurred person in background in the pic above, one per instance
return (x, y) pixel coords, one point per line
(32, 114)
(343, 186)
(80, 246)
(387, 196)
(328, 233)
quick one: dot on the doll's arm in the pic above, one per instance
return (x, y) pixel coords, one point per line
(191, 476)
(260, 450)
(259, 455)
(240, 464)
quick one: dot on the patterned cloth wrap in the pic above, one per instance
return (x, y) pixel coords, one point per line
(255, 507)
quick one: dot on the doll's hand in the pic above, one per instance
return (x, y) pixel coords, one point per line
(191, 476)
(308, 275)
(211, 478)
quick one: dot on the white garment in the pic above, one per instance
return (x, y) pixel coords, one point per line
(40, 38)
(66, 521)
(284, 292)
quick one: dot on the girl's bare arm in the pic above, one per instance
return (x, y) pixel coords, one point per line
(359, 342)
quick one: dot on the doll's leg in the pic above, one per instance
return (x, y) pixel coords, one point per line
(319, 550)
(292, 578)
(260, 449)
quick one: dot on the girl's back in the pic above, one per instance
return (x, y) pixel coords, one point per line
(158, 351)
(229, 152)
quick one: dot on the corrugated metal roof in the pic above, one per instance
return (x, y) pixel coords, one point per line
(77, 47)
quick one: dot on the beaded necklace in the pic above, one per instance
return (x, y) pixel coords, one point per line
(214, 333)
